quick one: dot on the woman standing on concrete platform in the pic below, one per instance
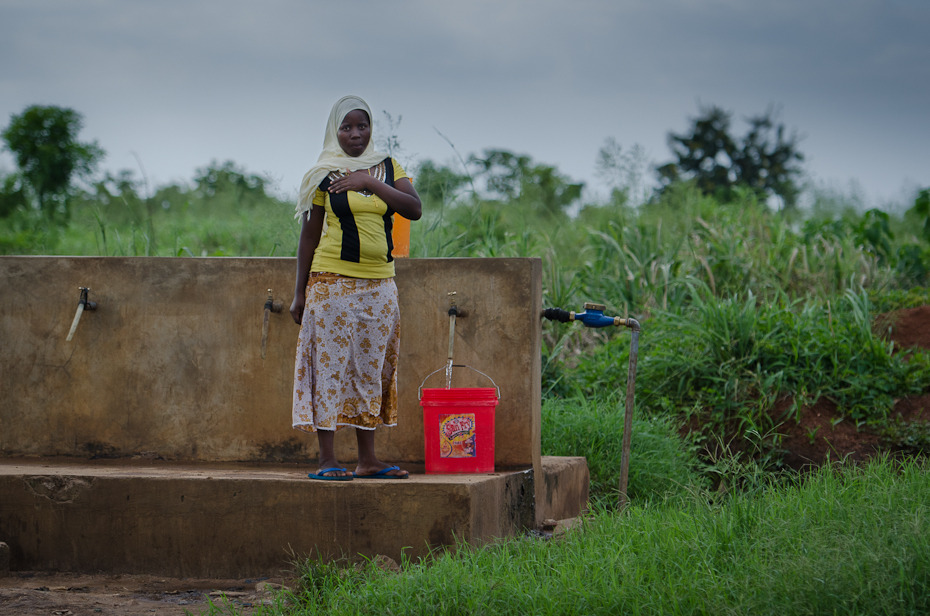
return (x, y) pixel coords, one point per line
(345, 299)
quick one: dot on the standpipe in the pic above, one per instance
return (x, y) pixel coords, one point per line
(593, 316)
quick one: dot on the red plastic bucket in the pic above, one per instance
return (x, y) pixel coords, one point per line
(458, 426)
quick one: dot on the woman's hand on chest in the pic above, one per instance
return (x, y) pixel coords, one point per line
(359, 181)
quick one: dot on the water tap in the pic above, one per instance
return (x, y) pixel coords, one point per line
(270, 306)
(83, 304)
(454, 311)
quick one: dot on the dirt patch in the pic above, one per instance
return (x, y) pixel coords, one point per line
(907, 328)
(821, 433)
(24, 593)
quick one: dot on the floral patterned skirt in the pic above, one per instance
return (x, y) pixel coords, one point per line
(346, 368)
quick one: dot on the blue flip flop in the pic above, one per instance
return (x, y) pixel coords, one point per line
(383, 474)
(323, 477)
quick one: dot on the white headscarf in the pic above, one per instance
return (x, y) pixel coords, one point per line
(333, 158)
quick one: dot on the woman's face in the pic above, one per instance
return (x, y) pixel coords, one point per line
(354, 133)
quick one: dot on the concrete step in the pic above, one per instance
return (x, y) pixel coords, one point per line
(248, 520)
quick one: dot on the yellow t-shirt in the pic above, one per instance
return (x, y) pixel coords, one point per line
(356, 239)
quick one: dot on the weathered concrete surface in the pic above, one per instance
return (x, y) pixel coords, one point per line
(170, 365)
(564, 485)
(233, 520)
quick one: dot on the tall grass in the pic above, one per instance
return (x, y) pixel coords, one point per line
(214, 220)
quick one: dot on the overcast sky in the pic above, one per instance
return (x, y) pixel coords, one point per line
(176, 84)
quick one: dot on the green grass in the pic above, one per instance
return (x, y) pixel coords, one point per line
(844, 540)
(662, 464)
(725, 361)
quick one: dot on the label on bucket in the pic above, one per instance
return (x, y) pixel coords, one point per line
(457, 436)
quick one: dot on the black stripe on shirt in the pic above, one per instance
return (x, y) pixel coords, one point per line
(351, 244)
(388, 218)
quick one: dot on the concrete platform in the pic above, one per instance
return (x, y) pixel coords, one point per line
(238, 520)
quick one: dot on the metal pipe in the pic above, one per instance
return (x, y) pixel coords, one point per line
(453, 313)
(633, 324)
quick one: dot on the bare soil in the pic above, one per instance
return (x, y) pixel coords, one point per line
(822, 434)
(24, 593)
(819, 436)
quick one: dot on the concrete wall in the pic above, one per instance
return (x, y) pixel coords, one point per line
(169, 365)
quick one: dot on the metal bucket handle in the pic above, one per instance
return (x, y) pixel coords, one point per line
(420, 388)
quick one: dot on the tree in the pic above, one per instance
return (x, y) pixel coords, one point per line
(765, 160)
(43, 140)
(12, 195)
(921, 210)
(515, 177)
(227, 180)
(623, 171)
(437, 184)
